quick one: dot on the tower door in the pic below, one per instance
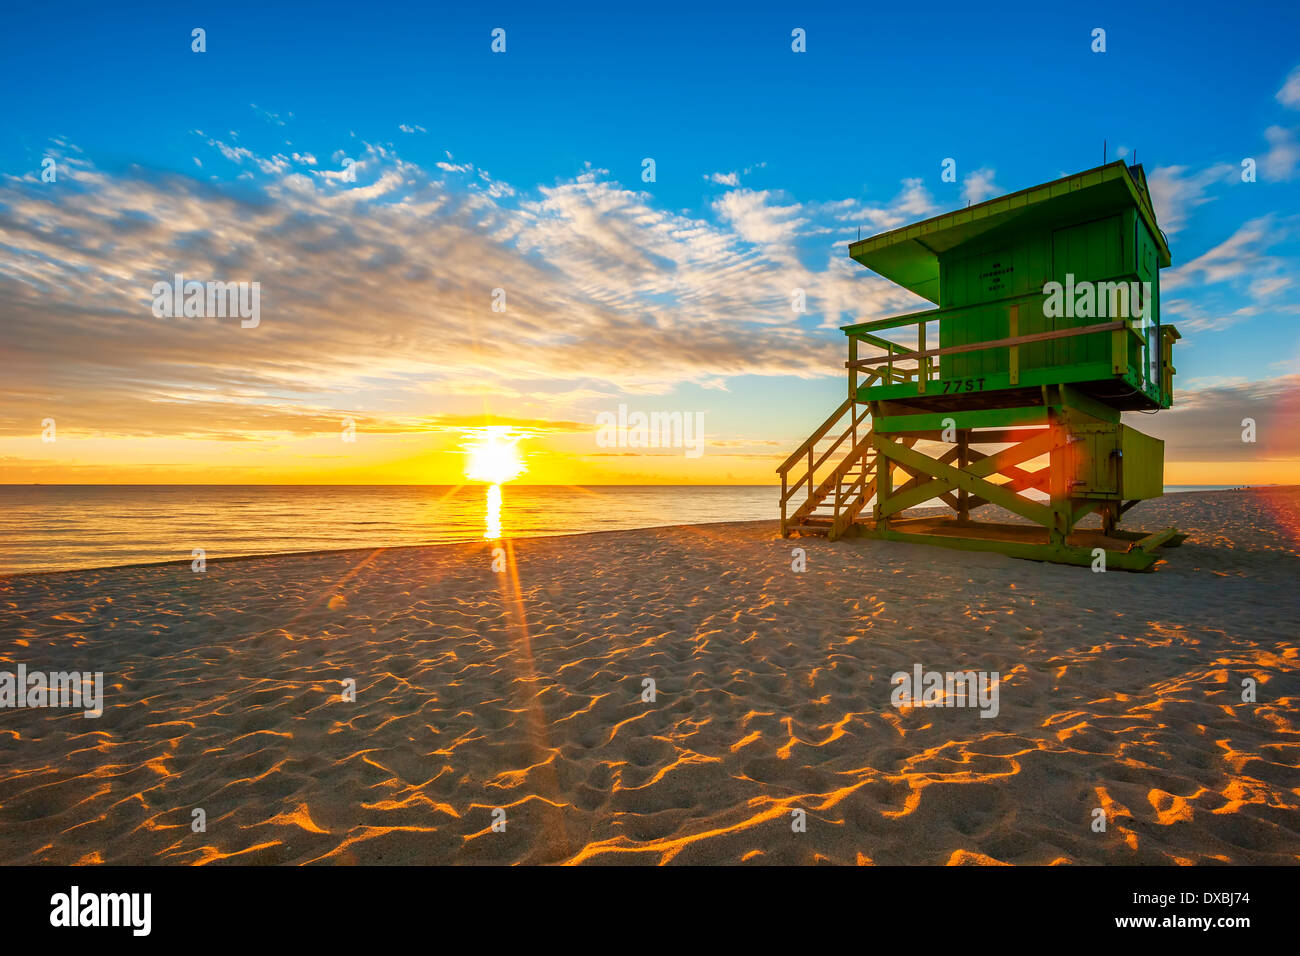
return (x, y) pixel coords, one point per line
(1089, 252)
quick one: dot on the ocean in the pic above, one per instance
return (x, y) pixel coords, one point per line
(63, 527)
(60, 527)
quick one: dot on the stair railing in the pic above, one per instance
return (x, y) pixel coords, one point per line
(856, 415)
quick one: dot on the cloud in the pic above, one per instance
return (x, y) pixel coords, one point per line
(1240, 255)
(1289, 94)
(1279, 163)
(377, 294)
(1205, 424)
(1244, 264)
(757, 220)
(913, 202)
(408, 128)
(1268, 286)
(1175, 191)
(380, 287)
(272, 118)
(732, 178)
(979, 186)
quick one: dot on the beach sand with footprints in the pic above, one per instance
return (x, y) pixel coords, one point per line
(524, 691)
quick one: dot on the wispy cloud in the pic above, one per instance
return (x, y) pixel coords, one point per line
(377, 293)
(273, 118)
(1244, 263)
(1243, 254)
(1176, 191)
(386, 284)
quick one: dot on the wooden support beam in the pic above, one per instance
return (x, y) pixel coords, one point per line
(1036, 417)
(1119, 350)
(917, 476)
(861, 329)
(1002, 436)
(1041, 444)
(1013, 357)
(923, 370)
(987, 436)
(1011, 471)
(1153, 541)
(878, 342)
(917, 495)
(1058, 490)
(1024, 481)
(1082, 511)
(1021, 480)
(971, 482)
(853, 372)
(884, 473)
(1132, 560)
(1109, 517)
(962, 507)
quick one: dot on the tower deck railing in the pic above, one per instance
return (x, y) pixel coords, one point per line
(920, 365)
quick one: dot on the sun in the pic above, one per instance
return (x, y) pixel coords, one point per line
(492, 454)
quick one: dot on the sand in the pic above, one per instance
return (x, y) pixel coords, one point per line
(479, 692)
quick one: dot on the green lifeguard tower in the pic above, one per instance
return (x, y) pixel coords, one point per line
(1048, 327)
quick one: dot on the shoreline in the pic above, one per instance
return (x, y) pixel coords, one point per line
(272, 555)
(180, 562)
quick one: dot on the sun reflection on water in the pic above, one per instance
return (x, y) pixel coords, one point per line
(492, 456)
(493, 531)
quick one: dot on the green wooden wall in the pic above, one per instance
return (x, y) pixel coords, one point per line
(1010, 267)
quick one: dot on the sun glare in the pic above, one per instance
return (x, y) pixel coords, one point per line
(492, 454)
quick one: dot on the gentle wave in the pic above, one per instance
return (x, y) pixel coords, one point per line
(64, 527)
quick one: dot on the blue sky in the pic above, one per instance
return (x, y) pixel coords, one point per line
(880, 92)
(784, 155)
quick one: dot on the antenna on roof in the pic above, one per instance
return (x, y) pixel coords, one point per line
(1104, 152)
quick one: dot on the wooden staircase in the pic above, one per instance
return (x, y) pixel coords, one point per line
(839, 480)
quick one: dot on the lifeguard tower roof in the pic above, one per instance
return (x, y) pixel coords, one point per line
(910, 255)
